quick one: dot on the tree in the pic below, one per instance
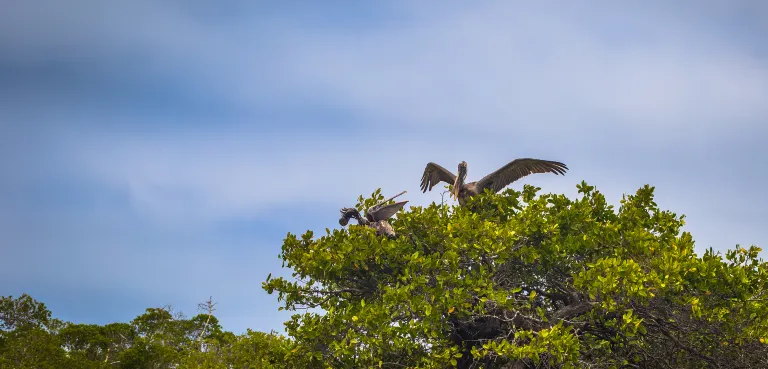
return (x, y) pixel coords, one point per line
(86, 343)
(254, 350)
(22, 312)
(163, 338)
(28, 335)
(520, 280)
(159, 338)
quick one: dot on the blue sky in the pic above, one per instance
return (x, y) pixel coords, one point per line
(157, 153)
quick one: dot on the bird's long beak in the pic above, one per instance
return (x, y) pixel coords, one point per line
(455, 192)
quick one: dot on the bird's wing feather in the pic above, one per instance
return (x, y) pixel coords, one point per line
(517, 169)
(434, 174)
(387, 211)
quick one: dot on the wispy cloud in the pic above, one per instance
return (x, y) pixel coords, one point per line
(535, 69)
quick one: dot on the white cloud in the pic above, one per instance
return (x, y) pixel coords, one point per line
(552, 65)
(499, 66)
(197, 176)
(493, 65)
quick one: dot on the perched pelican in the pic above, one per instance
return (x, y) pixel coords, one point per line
(376, 217)
(516, 169)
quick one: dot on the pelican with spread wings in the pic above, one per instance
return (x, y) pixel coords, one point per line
(514, 170)
(376, 217)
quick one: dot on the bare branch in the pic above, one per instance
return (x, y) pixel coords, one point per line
(210, 307)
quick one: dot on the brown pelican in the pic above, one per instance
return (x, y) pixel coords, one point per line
(376, 217)
(516, 169)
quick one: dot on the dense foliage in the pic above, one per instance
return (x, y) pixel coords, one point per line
(517, 280)
(513, 280)
(30, 338)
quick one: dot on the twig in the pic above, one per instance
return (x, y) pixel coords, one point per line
(442, 197)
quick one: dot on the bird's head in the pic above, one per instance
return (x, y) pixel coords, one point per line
(347, 214)
(463, 170)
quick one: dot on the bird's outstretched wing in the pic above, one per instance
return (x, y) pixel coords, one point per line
(517, 169)
(433, 174)
(386, 212)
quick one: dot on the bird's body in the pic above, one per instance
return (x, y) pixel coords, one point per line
(467, 191)
(383, 228)
(496, 181)
(376, 217)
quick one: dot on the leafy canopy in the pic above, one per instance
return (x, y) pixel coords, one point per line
(519, 280)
